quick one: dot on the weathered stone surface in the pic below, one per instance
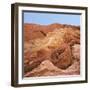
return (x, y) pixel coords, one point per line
(47, 68)
(76, 51)
(62, 57)
(59, 49)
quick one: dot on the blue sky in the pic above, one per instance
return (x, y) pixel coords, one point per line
(49, 18)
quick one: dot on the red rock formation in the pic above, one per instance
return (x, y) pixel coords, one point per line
(57, 43)
(32, 31)
(46, 68)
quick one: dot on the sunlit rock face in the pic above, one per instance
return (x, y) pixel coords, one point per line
(76, 51)
(53, 45)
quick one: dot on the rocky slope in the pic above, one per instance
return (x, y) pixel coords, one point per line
(51, 50)
(37, 31)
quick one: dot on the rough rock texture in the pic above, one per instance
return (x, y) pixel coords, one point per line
(55, 45)
(62, 57)
(46, 68)
(36, 30)
(76, 51)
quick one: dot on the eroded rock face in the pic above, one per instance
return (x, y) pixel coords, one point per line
(59, 49)
(32, 31)
(76, 51)
(47, 68)
(35, 59)
(62, 57)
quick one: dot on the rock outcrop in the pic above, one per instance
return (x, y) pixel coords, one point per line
(56, 45)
